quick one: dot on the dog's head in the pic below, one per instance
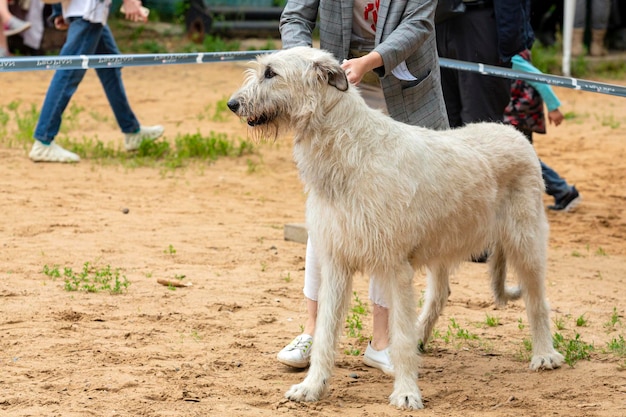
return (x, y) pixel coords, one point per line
(286, 87)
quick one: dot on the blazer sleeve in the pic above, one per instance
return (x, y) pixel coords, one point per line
(297, 23)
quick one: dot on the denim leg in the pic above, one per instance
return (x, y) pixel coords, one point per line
(82, 38)
(556, 186)
(111, 80)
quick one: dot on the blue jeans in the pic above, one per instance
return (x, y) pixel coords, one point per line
(556, 186)
(84, 38)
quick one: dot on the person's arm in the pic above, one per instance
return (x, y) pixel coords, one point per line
(545, 90)
(297, 22)
(355, 68)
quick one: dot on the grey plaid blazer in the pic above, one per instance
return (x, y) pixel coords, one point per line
(405, 31)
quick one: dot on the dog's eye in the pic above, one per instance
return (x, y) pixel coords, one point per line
(269, 73)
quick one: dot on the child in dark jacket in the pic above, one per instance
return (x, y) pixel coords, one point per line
(525, 111)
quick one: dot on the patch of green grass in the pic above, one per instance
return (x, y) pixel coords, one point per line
(221, 110)
(613, 321)
(570, 115)
(25, 120)
(455, 333)
(459, 332)
(559, 323)
(617, 346)
(90, 278)
(184, 149)
(252, 166)
(611, 122)
(546, 58)
(524, 353)
(212, 43)
(492, 321)
(614, 69)
(581, 321)
(354, 325)
(170, 250)
(572, 349)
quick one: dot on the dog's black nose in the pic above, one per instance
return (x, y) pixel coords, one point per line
(233, 105)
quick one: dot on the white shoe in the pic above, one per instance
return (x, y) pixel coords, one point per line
(51, 153)
(15, 26)
(297, 354)
(132, 141)
(378, 359)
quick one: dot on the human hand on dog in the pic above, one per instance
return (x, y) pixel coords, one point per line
(355, 68)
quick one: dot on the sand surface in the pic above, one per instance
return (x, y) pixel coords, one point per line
(209, 349)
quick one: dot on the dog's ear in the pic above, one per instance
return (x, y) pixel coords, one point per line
(332, 72)
(338, 79)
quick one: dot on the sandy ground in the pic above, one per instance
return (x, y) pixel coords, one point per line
(209, 349)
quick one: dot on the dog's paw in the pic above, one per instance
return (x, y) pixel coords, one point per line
(406, 400)
(551, 360)
(304, 392)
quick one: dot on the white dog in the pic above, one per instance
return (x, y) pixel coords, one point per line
(387, 198)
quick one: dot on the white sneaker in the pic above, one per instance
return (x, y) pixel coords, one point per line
(51, 153)
(132, 141)
(15, 26)
(297, 354)
(378, 359)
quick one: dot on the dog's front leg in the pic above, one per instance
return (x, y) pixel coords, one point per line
(334, 296)
(404, 339)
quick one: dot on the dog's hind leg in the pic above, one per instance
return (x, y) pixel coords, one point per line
(497, 270)
(334, 298)
(404, 341)
(538, 311)
(525, 247)
(435, 298)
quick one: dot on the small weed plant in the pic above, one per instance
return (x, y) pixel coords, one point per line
(573, 349)
(354, 324)
(617, 346)
(90, 278)
(611, 325)
(455, 333)
(581, 321)
(559, 323)
(491, 321)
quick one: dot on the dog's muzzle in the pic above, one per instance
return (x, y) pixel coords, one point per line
(235, 106)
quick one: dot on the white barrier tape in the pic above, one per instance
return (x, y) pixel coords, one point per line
(558, 81)
(38, 63)
(114, 61)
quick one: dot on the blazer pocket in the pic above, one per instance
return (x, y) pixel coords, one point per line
(410, 84)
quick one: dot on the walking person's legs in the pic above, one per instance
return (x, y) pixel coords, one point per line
(82, 39)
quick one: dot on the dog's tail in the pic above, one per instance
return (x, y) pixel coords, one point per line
(497, 268)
